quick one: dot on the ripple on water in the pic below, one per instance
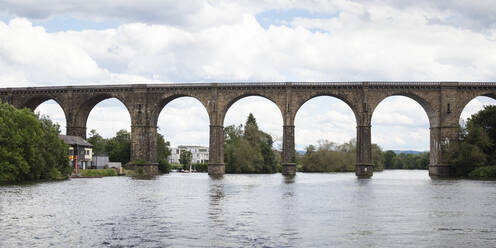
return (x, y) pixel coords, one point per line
(394, 208)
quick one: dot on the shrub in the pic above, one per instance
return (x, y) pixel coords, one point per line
(164, 166)
(99, 173)
(483, 172)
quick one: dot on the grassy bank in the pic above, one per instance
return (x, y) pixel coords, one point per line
(99, 173)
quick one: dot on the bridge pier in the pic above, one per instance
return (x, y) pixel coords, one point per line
(288, 151)
(364, 167)
(216, 165)
(144, 147)
(76, 131)
(441, 138)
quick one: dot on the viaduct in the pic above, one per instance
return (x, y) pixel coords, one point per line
(442, 101)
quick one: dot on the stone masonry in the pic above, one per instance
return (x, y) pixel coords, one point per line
(442, 101)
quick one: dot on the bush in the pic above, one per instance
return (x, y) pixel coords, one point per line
(99, 173)
(30, 147)
(200, 167)
(164, 166)
(483, 172)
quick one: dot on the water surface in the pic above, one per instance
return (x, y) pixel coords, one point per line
(397, 208)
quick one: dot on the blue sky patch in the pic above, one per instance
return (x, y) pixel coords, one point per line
(279, 17)
(66, 23)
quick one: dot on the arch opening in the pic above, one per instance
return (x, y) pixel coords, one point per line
(400, 126)
(253, 130)
(266, 112)
(324, 117)
(245, 100)
(325, 135)
(107, 117)
(108, 129)
(184, 123)
(54, 112)
(474, 106)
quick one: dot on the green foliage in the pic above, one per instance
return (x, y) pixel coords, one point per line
(119, 147)
(476, 143)
(200, 167)
(185, 159)
(389, 157)
(164, 166)
(418, 161)
(483, 172)
(30, 147)
(248, 149)
(99, 173)
(98, 142)
(330, 157)
(163, 148)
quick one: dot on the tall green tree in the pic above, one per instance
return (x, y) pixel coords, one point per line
(163, 152)
(248, 149)
(389, 159)
(119, 147)
(98, 142)
(476, 142)
(185, 159)
(30, 148)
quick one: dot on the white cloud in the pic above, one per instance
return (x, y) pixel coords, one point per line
(399, 122)
(267, 114)
(108, 117)
(184, 121)
(475, 105)
(362, 41)
(324, 118)
(53, 110)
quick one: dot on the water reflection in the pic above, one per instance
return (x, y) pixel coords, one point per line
(394, 208)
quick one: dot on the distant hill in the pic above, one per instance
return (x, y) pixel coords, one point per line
(301, 152)
(408, 151)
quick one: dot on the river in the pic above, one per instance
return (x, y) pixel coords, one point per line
(397, 208)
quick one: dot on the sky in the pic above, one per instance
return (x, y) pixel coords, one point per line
(150, 41)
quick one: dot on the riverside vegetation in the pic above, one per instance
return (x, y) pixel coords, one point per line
(119, 149)
(30, 148)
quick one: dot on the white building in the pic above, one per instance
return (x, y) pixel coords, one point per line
(199, 154)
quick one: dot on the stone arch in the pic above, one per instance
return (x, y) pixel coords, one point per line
(157, 109)
(34, 102)
(230, 102)
(344, 99)
(463, 101)
(432, 114)
(84, 109)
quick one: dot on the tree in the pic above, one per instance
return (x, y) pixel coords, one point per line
(30, 147)
(248, 149)
(119, 147)
(389, 159)
(185, 159)
(163, 152)
(476, 142)
(98, 142)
